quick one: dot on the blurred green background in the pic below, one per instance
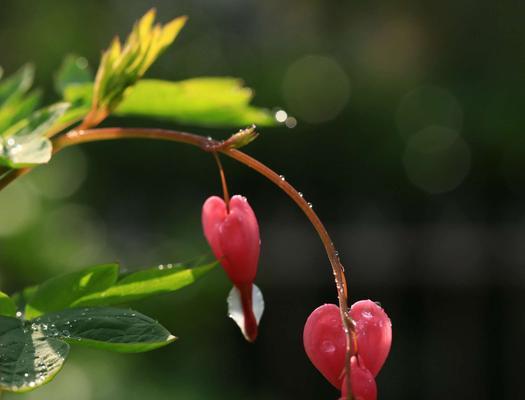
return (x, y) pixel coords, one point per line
(409, 144)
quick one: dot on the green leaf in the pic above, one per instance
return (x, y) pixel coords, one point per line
(17, 84)
(79, 94)
(24, 144)
(73, 71)
(144, 284)
(113, 329)
(206, 101)
(7, 305)
(28, 358)
(123, 65)
(18, 109)
(63, 291)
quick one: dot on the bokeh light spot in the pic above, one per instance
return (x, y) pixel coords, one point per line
(316, 88)
(436, 159)
(62, 177)
(428, 106)
(18, 208)
(281, 116)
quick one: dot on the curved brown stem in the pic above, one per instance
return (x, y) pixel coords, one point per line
(225, 191)
(209, 145)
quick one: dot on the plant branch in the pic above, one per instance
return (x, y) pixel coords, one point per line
(209, 145)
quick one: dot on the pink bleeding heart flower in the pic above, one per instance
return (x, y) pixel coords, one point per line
(325, 343)
(374, 334)
(233, 234)
(362, 381)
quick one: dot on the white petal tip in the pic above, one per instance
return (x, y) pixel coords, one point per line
(235, 311)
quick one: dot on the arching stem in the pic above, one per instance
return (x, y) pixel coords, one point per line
(209, 145)
(225, 191)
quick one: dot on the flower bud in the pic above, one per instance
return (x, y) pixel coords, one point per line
(233, 235)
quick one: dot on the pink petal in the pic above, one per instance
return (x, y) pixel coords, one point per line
(374, 334)
(233, 237)
(363, 383)
(325, 342)
(213, 215)
(240, 242)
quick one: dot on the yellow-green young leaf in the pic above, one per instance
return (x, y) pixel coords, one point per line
(205, 101)
(25, 144)
(122, 66)
(146, 283)
(7, 305)
(63, 291)
(114, 329)
(28, 359)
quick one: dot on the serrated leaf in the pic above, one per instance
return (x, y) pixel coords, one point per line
(144, 284)
(113, 329)
(7, 305)
(63, 291)
(28, 359)
(24, 144)
(122, 66)
(17, 84)
(73, 71)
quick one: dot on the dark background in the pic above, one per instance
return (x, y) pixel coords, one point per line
(410, 146)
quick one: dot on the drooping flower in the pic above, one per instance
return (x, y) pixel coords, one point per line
(325, 344)
(232, 232)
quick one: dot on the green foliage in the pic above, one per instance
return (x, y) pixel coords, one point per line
(146, 283)
(15, 103)
(123, 65)
(205, 101)
(25, 143)
(29, 358)
(62, 291)
(14, 87)
(55, 315)
(114, 329)
(33, 352)
(99, 286)
(7, 305)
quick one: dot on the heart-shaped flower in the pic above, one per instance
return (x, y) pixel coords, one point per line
(232, 232)
(325, 344)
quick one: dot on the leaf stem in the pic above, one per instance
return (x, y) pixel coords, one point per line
(75, 137)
